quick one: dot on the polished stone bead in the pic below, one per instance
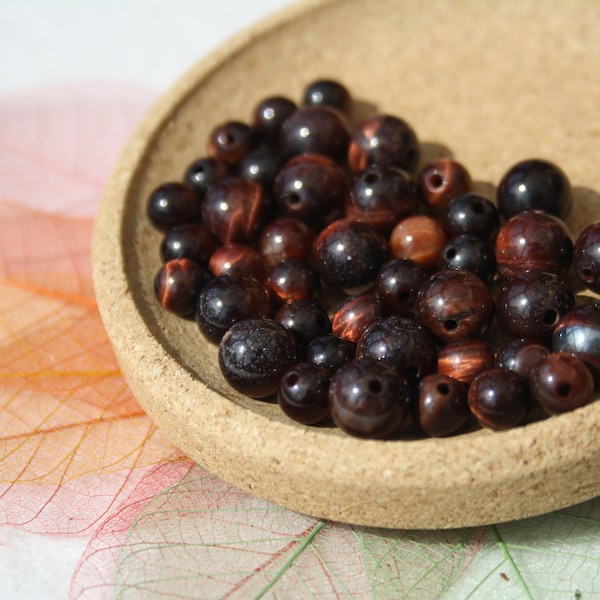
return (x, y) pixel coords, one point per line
(270, 115)
(190, 240)
(420, 238)
(330, 352)
(355, 314)
(586, 257)
(171, 204)
(305, 319)
(261, 164)
(472, 214)
(397, 284)
(520, 355)
(578, 332)
(329, 92)
(203, 173)
(292, 279)
(231, 141)
(241, 259)
(441, 181)
(471, 254)
(464, 359)
(283, 239)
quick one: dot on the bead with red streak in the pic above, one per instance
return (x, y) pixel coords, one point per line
(464, 359)
(441, 181)
(420, 238)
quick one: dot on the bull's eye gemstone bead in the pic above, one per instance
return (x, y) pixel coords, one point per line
(261, 164)
(521, 355)
(270, 115)
(328, 92)
(534, 185)
(190, 240)
(441, 181)
(231, 141)
(330, 352)
(471, 254)
(397, 284)
(471, 214)
(355, 314)
(464, 359)
(420, 238)
(292, 279)
(171, 204)
(305, 319)
(283, 239)
(240, 259)
(204, 173)
(586, 257)
(368, 399)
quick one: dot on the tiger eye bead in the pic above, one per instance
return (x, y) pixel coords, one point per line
(442, 407)
(464, 359)
(455, 304)
(305, 319)
(420, 238)
(521, 355)
(441, 181)
(533, 240)
(330, 352)
(241, 259)
(355, 314)
(292, 279)
(283, 239)
(190, 240)
(397, 284)
(171, 204)
(270, 114)
(261, 164)
(471, 254)
(328, 92)
(586, 257)
(471, 214)
(231, 141)
(204, 173)
(578, 332)
(383, 139)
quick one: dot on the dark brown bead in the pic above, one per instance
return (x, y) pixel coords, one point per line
(292, 280)
(310, 187)
(261, 164)
(231, 141)
(383, 139)
(521, 355)
(442, 407)
(315, 129)
(455, 304)
(420, 238)
(305, 319)
(441, 181)
(531, 304)
(270, 115)
(283, 239)
(397, 284)
(499, 399)
(190, 240)
(465, 359)
(235, 210)
(204, 173)
(533, 240)
(171, 204)
(355, 314)
(471, 254)
(578, 332)
(471, 214)
(328, 92)
(240, 259)
(330, 352)
(586, 257)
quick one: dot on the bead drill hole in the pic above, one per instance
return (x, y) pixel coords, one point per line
(587, 275)
(293, 199)
(450, 324)
(226, 139)
(443, 389)
(412, 372)
(291, 380)
(436, 181)
(375, 386)
(564, 389)
(450, 253)
(371, 178)
(550, 317)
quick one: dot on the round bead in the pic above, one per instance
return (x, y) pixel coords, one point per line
(178, 284)
(455, 304)
(499, 399)
(254, 353)
(355, 314)
(204, 173)
(228, 299)
(328, 92)
(521, 356)
(561, 382)
(368, 400)
(303, 393)
(348, 255)
(471, 214)
(420, 238)
(173, 204)
(283, 239)
(586, 257)
(578, 332)
(464, 359)
(270, 115)
(397, 285)
(191, 241)
(240, 259)
(402, 344)
(235, 210)
(292, 279)
(231, 141)
(261, 164)
(533, 240)
(531, 304)
(441, 181)
(471, 254)
(330, 352)
(534, 185)
(383, 139)
(380, 196)
(305, 319)
(315, 129)
(442, 407)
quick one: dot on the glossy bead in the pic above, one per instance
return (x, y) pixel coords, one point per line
(441, 181)
(586, 257)
(173, 204)
(330, 352)
(178, 284)
(261, 164)
(204, 173)
(464, 359)
(397, 285)
(283, 239)
(534, 185)
(471, 254)
(578, 332)
(455, 304)
(292, 280)
(442, 407)
(270, 115)
(531, 304)
(521, 356)
(235, 210)
(402, 344)
(561, 382)
(240, 259)
(228, 299)
(231, 141)
(190, 240)
(305, 319)
(533, 240)
(420, 238)
(368, 400)
(328, 92)
(383, 139)
(380, 196)
(471, 214)
(310, 187)
(315, 129)
(348, 255)
(302, 393)
(499, 399)
(254, 353)
(355, 314)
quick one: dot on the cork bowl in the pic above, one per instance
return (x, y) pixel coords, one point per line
(487, 87)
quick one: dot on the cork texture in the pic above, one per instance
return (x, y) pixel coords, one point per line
(487, 87)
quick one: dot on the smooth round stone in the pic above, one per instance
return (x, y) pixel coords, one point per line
(464, 359)
(578, 332)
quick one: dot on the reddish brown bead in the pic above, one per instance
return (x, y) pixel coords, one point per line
(383, 139)
(235, 210)
(204, 173)
(441, 181)
(292, 280)
(270, 115)
(355, 314)
(455, 304)
(283, 239)
(586, 257)
(329, 92)
(419, 238)
(521, 355)
(171, 204)
(305, 319)
(465, 359)
(239, 259)
(190, 240)
(533, 240)
(231, 141)
(397, 284)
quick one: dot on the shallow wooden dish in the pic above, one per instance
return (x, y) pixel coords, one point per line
(490, 87)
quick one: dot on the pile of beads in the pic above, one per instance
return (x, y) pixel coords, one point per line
(339, 278)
